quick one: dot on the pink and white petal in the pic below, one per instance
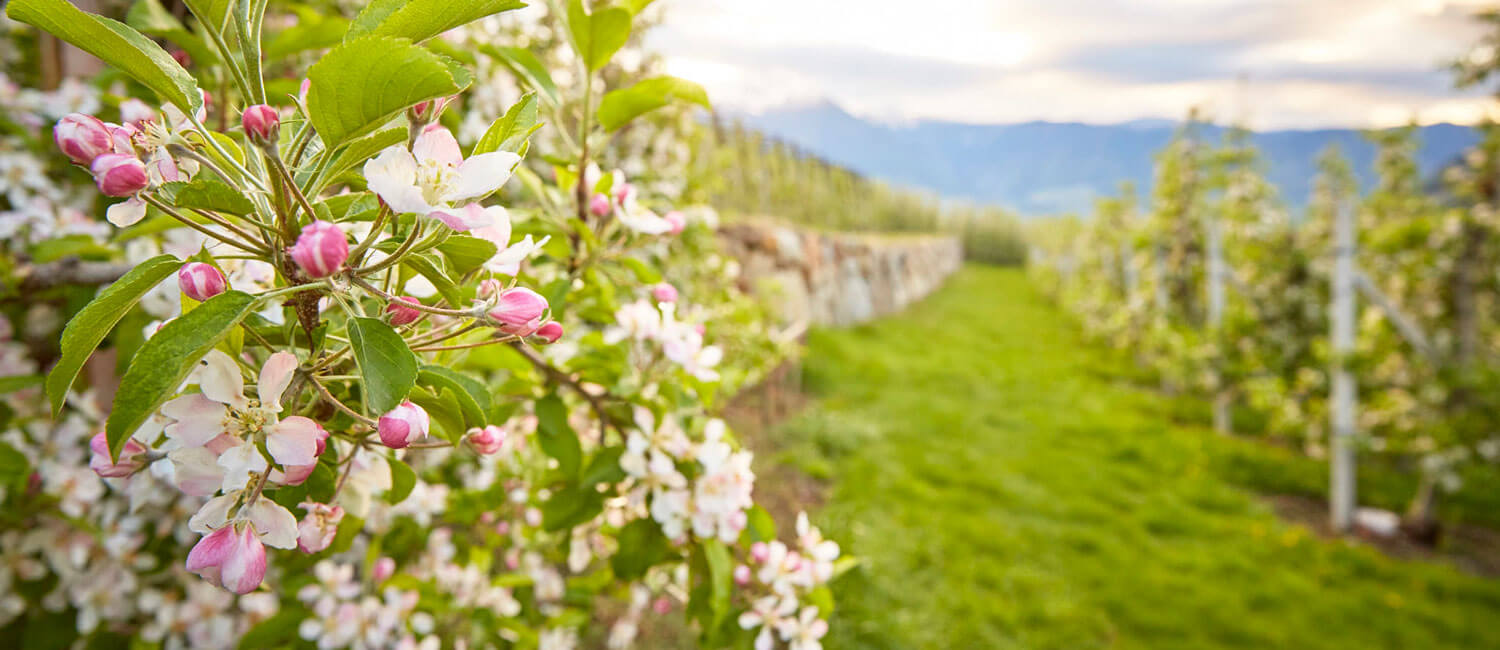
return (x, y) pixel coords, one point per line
(437, 143)
(239, 463)
(197, 419)
(196, 472)
(497, 232)
(294, 441)
(126, 213)
(212, 550)
(393, 167)
(245, 568)
(293, 474)
(275, 525)
(213, 515)
(393, 176)
(275, 376)
(483, 174)
(219, 378)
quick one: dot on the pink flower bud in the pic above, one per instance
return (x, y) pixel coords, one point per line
(623, 192)
(487, 441)
(401, 314)
(742, 575)
(131, 460)
(428, 111)
(317, 530)
(302, 90)
(182, 58)
(519, 311)
(321, 249)
(119, 174)
(200, 281)
(599, 204)
(664, 292)
(549, 332)
(759, 552)
(82, 138)
(489, 288)
(231, 557)
(678, 221)
(385, 567)
(262, 124)
(662, 605)
(403, 425)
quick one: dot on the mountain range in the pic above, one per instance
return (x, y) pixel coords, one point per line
(1048, 168)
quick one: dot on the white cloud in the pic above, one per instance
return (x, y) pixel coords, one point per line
(1305, 63)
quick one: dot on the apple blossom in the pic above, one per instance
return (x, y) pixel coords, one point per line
(119, 174)
(401, 314)
(549, 332)
(321, 249)
(518, 311)
(385, 567)
(488, 440)
(664, 292)
(677, 221)
(82, 138)
(132, 457)
(599, 204)
(262, 124)
(433, 176)
(317, 529)
(403, 425)
(231, 557)
(220, 408)
(200, 281)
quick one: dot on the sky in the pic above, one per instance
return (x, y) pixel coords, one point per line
(1265, 64)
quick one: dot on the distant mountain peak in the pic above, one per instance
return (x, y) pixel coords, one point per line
(1041, 168)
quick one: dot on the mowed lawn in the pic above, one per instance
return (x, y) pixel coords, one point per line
(1004, 488)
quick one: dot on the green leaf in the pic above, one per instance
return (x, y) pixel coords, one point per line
(212, 13)
(80, 246)
(467, 253)
(642, 270)
(720, 577)
(313, 31)
(420, 20)
(621, 106)
(431, 267)
(465, 390)
(511, 130)
(15, 469)
(403, 479)
(363, 149)
(386, 364)
(159, 367)
(604, 467)
(114, 43)
(152, 19)
(443, 410)
(642, 546)
(556, 436)
(598, 35)
(204, 193)
(92, 323)
(279, 631)
(358, 86)
(570, 507)
(525, 65)
(760, 525)
(636, 6)
(12, 383)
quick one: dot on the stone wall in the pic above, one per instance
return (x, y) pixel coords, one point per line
(838, 279)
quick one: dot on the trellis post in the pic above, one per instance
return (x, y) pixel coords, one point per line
(1341, 488)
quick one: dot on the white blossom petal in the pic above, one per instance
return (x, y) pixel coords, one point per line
(275, 525)
(275, 375)
(483, 174)
(219, 378)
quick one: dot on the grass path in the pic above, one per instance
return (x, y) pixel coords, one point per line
(1004, 490)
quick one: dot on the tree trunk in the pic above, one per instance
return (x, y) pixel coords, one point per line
(1420, 522)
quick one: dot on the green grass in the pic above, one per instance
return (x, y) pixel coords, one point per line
(1004, 488)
